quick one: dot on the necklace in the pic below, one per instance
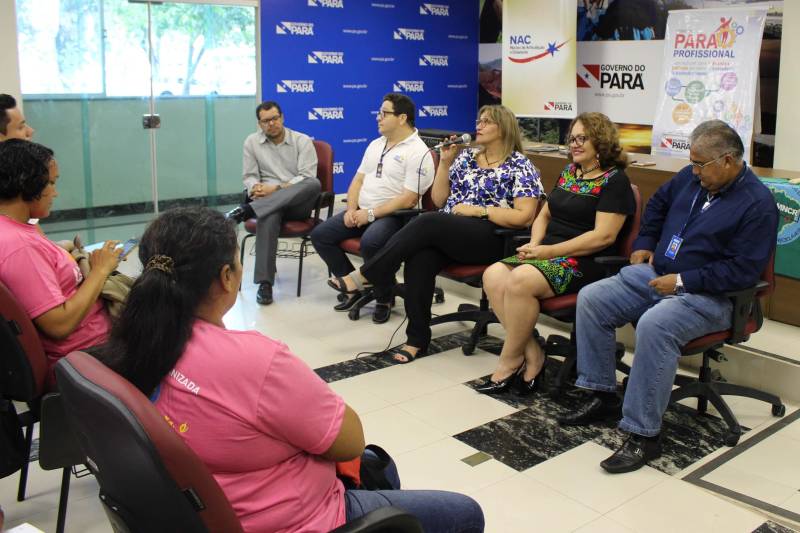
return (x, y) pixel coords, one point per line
(583, 172)
(489, 163)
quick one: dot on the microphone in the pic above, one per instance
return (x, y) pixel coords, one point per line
(464, 139)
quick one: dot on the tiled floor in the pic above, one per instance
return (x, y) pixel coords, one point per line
(535, 476)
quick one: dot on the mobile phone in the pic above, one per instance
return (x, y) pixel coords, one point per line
(127, 247)
(643, 164)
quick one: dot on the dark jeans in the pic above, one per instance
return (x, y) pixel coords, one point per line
(427, 244)
(327, 236)
(438, 511)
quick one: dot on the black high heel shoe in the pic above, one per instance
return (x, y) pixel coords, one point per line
(524, 388)
(498, 387)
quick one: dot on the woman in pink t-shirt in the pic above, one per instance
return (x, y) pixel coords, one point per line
(268, 428)
(45, 279)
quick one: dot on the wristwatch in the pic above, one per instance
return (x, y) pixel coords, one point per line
(370, 216)
(679, 285)
(485, 213)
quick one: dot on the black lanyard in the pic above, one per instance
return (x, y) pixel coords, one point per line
(691, 217)
(379, 168)
(709, 202)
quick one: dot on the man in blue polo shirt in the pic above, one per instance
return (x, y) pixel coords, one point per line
(710, 229)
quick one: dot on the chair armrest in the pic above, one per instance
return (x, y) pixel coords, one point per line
(745, 305)
(407, 213)
(58, 447)
(325, 198)
(612, 263)
(512, 238)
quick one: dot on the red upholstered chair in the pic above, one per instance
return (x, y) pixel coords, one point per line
(352, 246)
(302, 228)
(23, 378)
(472, 275)
(150, 480)
(708, 386)
(562, 308)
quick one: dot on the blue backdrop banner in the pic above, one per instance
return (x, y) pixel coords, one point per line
(328, 63)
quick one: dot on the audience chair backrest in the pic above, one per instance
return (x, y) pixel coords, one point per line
(150, 480)
(324, 165)
(768, 276)
(630, 230)
(427, 201)
(23, 364)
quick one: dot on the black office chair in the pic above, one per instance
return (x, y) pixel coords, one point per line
(23, 378)
(150, 480)
(708, 385)
(563, 308)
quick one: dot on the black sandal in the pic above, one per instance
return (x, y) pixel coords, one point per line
(408, 355)
(348, 301)
(341, 284)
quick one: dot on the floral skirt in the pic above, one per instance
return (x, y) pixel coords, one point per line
(566, 275)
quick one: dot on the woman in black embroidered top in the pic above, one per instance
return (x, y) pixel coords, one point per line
(582, 218)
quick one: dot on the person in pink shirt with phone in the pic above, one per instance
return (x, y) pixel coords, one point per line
(267, 427)
(43, 277)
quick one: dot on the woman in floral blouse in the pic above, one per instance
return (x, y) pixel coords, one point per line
(482, 189)
(582, 218)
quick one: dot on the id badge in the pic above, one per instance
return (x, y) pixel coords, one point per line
(674, 246)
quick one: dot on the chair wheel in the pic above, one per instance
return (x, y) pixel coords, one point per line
(778, 410)
(354, 314)
(731, 438)
(468, 349)
(438, 298)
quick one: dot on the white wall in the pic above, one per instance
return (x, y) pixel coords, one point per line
(9, 58)
(787, 156)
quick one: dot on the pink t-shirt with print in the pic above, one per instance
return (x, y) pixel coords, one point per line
(258, 417)
(41, 275)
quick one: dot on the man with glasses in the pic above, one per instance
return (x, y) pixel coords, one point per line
(395, 171)
(710, 229)
(279, 169)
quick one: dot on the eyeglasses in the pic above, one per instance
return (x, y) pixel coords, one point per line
(701, 166)
(383, 112)
(579, 140)
(268, 121)
(484, 122)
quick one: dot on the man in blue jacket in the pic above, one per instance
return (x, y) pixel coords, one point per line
(710, 229)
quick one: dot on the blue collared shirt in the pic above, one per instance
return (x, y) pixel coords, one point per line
(726, 246)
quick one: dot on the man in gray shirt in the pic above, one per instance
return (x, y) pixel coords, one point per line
(279, 170)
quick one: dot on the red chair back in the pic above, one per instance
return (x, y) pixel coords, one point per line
(324, 164)
(630, 230)
(427, 201)
(23, 365)
(150, 480)
(768, 277)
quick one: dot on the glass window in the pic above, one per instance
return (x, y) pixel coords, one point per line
(60, 46)
(100, 47)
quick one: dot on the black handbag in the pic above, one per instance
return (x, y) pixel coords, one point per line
(372, 471)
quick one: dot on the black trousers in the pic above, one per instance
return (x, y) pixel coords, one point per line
(426, 245)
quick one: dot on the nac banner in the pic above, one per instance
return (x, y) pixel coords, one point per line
(539, 58)
(710, 72)
(328, 64)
